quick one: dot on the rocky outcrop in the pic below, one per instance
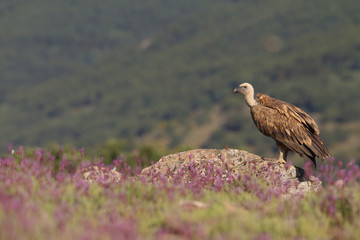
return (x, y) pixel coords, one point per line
(204, 167)
(233, 162)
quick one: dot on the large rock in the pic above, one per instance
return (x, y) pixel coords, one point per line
(235, 163)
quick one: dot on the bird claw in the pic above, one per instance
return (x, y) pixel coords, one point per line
(280, 161)
(274, 160)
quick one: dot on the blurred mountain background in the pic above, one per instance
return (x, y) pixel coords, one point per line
(160, 73)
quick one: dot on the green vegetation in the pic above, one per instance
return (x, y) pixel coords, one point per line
(154, 72)
(40, 201)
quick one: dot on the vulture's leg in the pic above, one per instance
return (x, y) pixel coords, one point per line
(285, 155)
(282, 157)
(283, 151)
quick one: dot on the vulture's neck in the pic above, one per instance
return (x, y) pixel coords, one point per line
(250, 101)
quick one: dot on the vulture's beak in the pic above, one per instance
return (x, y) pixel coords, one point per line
(236, 90)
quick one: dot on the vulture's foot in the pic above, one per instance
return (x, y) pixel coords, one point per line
(274, 160)
(280, 161)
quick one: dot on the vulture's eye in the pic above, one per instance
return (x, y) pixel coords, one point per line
(245, 87)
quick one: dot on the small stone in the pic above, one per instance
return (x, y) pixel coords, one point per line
(100, 175)
(191, 205)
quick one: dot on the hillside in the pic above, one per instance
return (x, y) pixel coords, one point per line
(161, 77)
(44, 39)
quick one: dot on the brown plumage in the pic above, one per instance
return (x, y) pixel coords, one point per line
(290, 127)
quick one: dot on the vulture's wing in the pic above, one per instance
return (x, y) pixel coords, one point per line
(279, 127)
(290, 126)
(289, 111)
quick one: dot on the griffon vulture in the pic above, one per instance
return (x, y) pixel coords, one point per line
(291, 128)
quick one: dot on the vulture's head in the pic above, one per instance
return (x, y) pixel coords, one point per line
(245, 89)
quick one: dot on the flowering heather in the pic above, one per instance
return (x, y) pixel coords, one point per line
(43, 195)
